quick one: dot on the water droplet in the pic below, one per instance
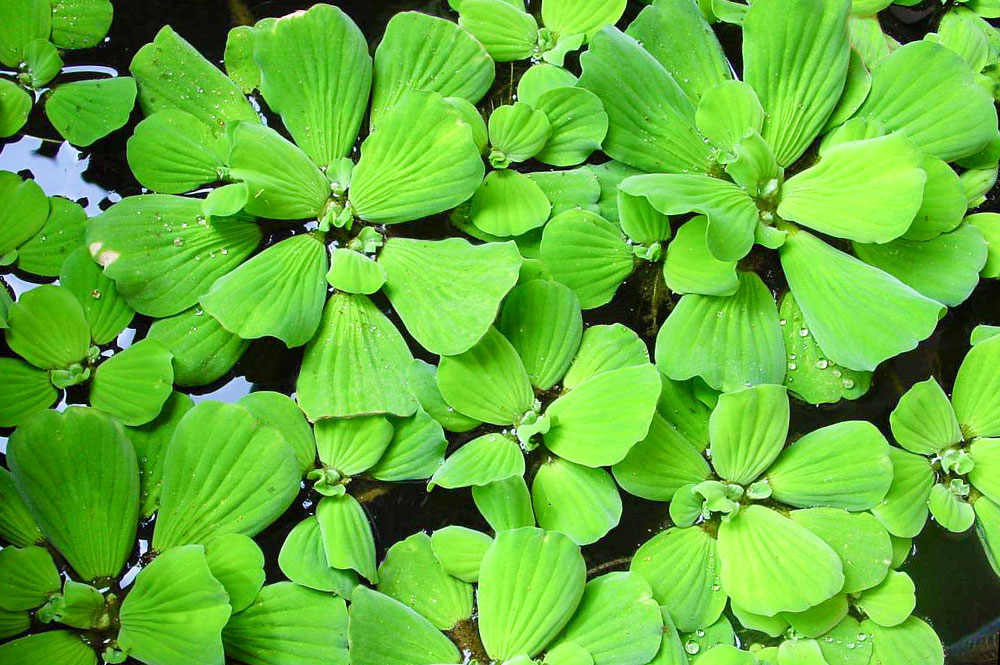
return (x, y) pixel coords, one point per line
(782, 322)
(95, 294)
(700, 632)
(178, 241)
(848, 383)
(692, 647)
(822, 363)
(803, 332)
(792, 366)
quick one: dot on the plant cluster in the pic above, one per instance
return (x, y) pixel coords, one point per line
(435, 232)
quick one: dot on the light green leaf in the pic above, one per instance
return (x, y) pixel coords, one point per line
(867, 191)
(420, 161)
(679, 37)
(80, 23)
(483, 460)
(133, 385)
(891, 602)
(509, 203)
(302, 559)
(15, 107)
(682, 566)
(599, 421)
(988, 530)
(745, 323)
(25, 211)
(976, 396)
(41, 62)
(460, 551)
(356, 363)
(858, 314)
(652, 124)
(488, 382)
(542, 321)
(422, 381)
(570, 17)
(604, 348)
(347, 535)
(85, 111)
(795, 56)
(986, 455)
(641, 222)
(238, 57)
(856, 89)
(173, 152)
(91, 521)
(581, 502)
(517, 133)
(203, 351)
(224, 472)
(28, 578)
(731, 213)
(163, 254)
(279, 292)
(106, 312)
(150, 443)
(845, 465)
(845, 634)
(989, 224)
(315, 72)
(748, 430)
(276, 410)
(530, 584)
(416, 450)
(816, 621)
(289, 625)
(505, 30)
(771, 564)
(384, 631)
(17, 526)
(948, 94)
(238, 564)
(412, 575)
(80, 605)
(64, 647)
(351, 446)
(923, 421)
(541, 78)
(861, 542)
(911, 643)
(22, 21)
(949, 510)
(354, 272)
(48, 328)
(505, 504)
(944, 202)
(588, 254)
(26, 390)
(728, 112)
(175, 612)
(579, 125)
(904, 509)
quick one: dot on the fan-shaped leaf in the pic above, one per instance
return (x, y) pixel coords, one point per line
(62, 233)
(26, 391)
(860, 541)
(509, 203)
(352, 445)
(57, 646)
(107, 313)
(690, 267)
(416, 450)
(150, 443)
(280, 412)
(15, 107)
(23, 21)
(976, 396)
(133, 385)
(904, 509)
(48, 328)
(85, 111)
(17, 526)
(944, 202)
(238, 564)
(984, 476)
(541, 78)
(505, 504)
(748, 430)
(422, 381)
(25, 212)
(728, 112)
(460, 551)
(988, 529)
(949, 510)
(203, 351)
(483, 460)
(505, 30)
(384, 631)
(911, 643)
(662, 463)
(891, 602)
(302, 559)
(579, 125)
(347, 535)
(923, 421)
(354, 272)
(604, 348)
(173, 152)
(542, 321)
(581, 502)
(28, 577)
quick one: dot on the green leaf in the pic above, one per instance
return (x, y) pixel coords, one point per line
(505, 504)
(745, 324)
(856, 89)
(460, 551)
(989, 224)
(276, 410)
(106, 312)
(416, 450)
(923, 421)
(731, 213)
(238, 58)
(64, 647)
(488, 382)
(315, 72)
(988, 529)
(163, 254)
(651, 119)
(354, 272)
(748, 431)
(80, 23)
(302, 559)
(25, 211)
(175, 611)
(85, 111)
(420, 161)
(641, 222)
(904, 509)
(728, 112)
(581, 502)
(986, 455)
(588, 254)
(203, 351)
(816, 621)
(22, 21)
(517, 133)
(384, 631)
(860, 541)
(356, 363)
(41, 62)
(810, 375)
(976, 397)
(682, 566)
(543, 322)
(483, 460)
(17, 526)
(530, 584)
(238, 564)
(422, 381)
(15, 107)
(680, 38)
(411, 574)
(867, 191)
(421, 52)
(911, 643)
(171, 74)
(617, 620)
(858, 314)
(26, 391)
(949, 510)
(347, 535)
(278, 293)
(604, 348)
(133, 385)
(795, 56)
(351, 446)
(448, 315)
(579, 125)
(944, 202)
(28, 578)
(509, 203)
(505, 30)
(80, 605)
(541, 78)
(599, 421)
(47, 327)
(569, 17)
(91, 521)
(150, 443)
(289, 625)
(771, 564)
(224, 472)
(891, 602)
(844, 465)
(173, 152)
(956, 98)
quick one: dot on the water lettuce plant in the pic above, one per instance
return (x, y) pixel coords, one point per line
(32, 33)
(37, 233)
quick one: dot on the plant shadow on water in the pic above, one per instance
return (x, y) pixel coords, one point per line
(956, 590)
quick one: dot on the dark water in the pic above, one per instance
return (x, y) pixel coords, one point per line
(956, 589)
